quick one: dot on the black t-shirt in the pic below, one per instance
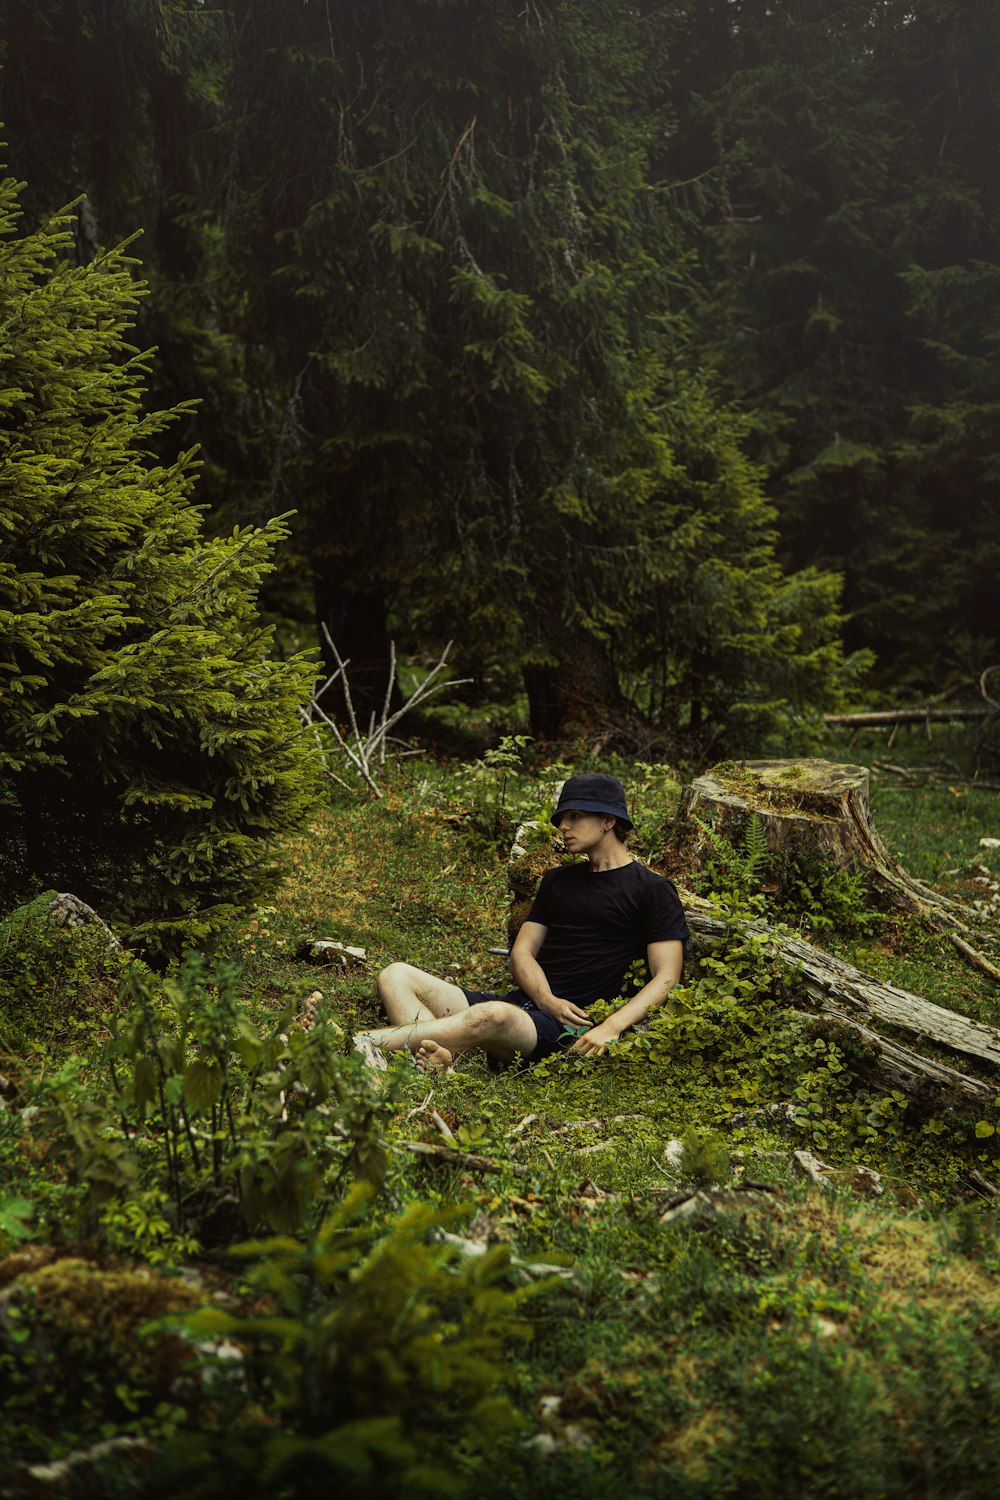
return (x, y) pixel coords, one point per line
(598, 923)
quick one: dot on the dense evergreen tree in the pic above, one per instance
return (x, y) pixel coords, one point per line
(107, 104)
(149, 747)
(440, 221)
(852, 275)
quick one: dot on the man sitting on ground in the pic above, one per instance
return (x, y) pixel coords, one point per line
(588, 924)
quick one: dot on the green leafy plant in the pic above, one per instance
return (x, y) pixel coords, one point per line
(704, 1158)
(493, 789)
(222, 1111)
(378, 1351)
(16, 1213)
(54, 977)
(817, 894)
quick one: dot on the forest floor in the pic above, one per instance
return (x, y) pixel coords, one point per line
(709, 1324)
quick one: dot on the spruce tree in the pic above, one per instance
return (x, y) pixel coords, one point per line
(149, 742)
(851, 266)
(447, 245)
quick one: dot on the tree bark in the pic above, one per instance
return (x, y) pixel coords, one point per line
(811, 809)
(579, 694)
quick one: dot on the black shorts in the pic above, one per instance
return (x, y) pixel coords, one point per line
(551, 1034)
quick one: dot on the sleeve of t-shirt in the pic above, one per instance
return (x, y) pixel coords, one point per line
(664, 914)
(540, 908)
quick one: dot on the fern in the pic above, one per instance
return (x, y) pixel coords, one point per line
(755, 851)
(731, 870)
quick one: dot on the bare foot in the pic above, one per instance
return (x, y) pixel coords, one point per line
(373, 1056)
(432, 1057)
(307, 1016)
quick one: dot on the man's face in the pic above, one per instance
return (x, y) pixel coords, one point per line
(582, 830)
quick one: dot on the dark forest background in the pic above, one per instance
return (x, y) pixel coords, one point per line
(647, 350)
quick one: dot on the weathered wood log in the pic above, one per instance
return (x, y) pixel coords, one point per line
(885, 717)
(855, 999)
(470, 1161)
(813, 810)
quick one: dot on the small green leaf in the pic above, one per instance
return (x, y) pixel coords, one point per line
(202, 1084)
(144, 1081)
(14, 1212)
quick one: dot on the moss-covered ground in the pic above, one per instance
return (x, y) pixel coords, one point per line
(781, 1339)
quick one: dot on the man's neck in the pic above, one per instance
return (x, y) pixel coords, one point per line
(609, 854)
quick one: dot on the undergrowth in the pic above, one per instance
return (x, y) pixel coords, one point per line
(592, 1277)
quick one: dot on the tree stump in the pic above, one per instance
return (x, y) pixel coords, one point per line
(532, 853)
(811, 810)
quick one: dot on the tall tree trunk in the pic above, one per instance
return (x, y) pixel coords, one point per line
(578, 694)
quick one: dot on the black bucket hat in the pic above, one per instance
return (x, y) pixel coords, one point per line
(593, 793)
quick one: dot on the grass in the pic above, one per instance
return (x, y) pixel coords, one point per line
(788, 1342)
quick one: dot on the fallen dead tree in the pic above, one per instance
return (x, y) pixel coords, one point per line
(850, 997)
(884, 718)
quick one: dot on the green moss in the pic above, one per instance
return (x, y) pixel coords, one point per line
(72, 1348)
(55, 978)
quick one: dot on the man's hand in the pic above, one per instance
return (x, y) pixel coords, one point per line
(594, 1043)
(564, 1011)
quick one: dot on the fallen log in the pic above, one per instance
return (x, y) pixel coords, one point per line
(852, 998)
(812, 810)
(884, 718)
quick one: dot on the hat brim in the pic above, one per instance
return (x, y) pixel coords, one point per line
(581, 804)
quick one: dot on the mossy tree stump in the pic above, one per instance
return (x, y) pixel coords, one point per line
(813, 811)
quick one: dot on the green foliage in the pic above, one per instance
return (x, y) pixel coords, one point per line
(493, 441)
(149, 744)
(693, 1356)
(207, 1123)
(379, 1351)
(815, 893)
(227, 1115)
(497, 792)
(16, 1213)
(704, 1159)
(850, 245)
(71, 1354)
(139, 1226)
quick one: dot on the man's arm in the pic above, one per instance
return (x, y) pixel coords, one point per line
(529, 976)
(664, 960)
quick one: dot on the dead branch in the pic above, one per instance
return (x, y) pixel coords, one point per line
(975, 958)
(467, 1159)
(367, 751)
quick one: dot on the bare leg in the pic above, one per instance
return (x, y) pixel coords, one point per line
(503, 1030)
(408, 994)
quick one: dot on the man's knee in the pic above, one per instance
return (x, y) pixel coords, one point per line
(493, 1016)
(393, 976)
